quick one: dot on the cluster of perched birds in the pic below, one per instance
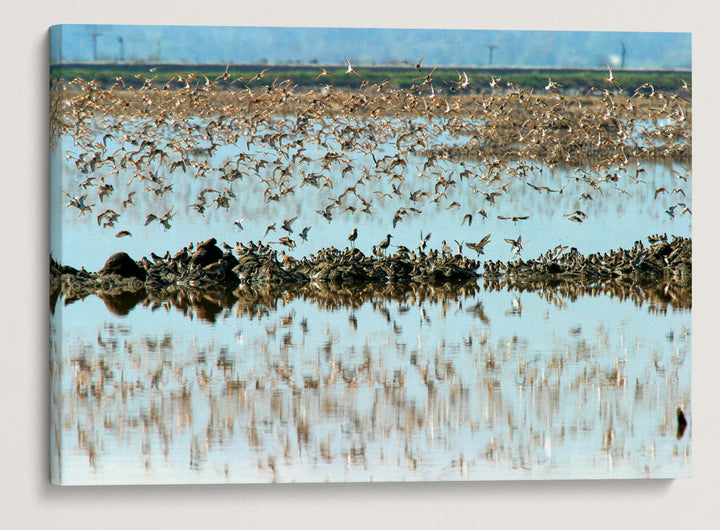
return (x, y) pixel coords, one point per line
(377, 145)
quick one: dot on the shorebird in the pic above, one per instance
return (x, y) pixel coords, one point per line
(462, 82)
(611, 78)
(517, 244)
(480, 245)
(150, 218)
(239, 223)
(258, 76)
(287, 260)
(269, 229)
(490, 197)
(427, 78)
(557, 251)
(303, 234)
(418, 194)
(424, 240)
(127, 202)
(659, 191)
(166, 218)
(287, 242)
(577, 213)
(287, 224)
(327, 212)
(384, 244)
(123, 233)
(350, 69)
(352, 237)
(323, 73)
(513, 218)
(551, 84)
(79, 203)
(419, 63)
(108, 218)
(224, 76)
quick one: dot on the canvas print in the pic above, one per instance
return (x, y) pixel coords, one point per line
(353, 255)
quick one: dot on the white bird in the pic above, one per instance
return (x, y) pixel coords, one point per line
(551, 84)
(463, 81)
(611, 79)
(350, 69)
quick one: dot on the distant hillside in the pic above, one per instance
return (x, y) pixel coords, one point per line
(539, 49)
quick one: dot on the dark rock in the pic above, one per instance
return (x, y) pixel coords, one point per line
(206, 254)
(122, 265)
(230, 260)
(67, 269)
(554, 268)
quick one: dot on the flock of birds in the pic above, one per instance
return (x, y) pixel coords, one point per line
(374, 146)
(360, 151)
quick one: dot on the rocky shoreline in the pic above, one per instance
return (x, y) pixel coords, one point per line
(666, 264)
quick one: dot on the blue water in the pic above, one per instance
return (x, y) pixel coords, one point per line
(479, 385)
(385, 391)
(620, 211)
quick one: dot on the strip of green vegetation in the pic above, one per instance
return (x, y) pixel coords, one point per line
(446, 79)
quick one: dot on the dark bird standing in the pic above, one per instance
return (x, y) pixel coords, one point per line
(385, 243)
(352, 237)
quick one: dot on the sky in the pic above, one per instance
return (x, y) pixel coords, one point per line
(329, 46)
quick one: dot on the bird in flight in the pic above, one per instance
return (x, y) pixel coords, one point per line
(303, 234)
(611, 78)
(287, 224)
(287, 242)
(258, 76)
(350, 69)
(480, 245)
(577, 213)
(79, 203)
(513, 218)
(551, 84)
(517, 244)
(323, 73)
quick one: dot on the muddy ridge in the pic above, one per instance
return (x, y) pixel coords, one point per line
(664, 264)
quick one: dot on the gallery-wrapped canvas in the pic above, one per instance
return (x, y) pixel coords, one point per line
(321, 254)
